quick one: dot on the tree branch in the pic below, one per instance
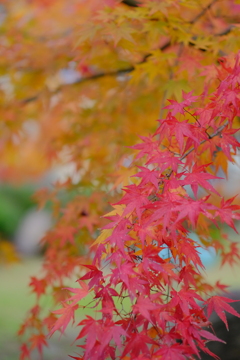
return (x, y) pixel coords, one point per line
(217, 132)
(131, 3)
(129, 69)
(208, 7)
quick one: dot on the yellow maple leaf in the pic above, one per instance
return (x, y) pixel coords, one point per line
(105, 233)
(221, 161)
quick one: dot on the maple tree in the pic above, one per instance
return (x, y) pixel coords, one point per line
(165, 319)
(126, 58)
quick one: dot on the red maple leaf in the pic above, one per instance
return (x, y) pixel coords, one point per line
(95, 275)
(161, 210)
(65, 233)
(222, 287)
(144, 307)
(148, 175)
(80, 293)
(232, 255)
(39, 286)
(67, 313)
(146, 147)
(188, 248)
(191, 209)
(180, 129)
(136, 344)
(219, 304)
(38, 341)
(226, 141)
(76, 357)
(198, 177)
(173, 352)
(165, 160)
(184, 298)
(188, 275)
(134, 200)
(25, 352)
(49, 321)
(177, 107)
(227, 212)
(93, 328)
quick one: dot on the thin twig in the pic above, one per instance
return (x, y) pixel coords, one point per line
(202, 12)
(219, 130)
(202, 142)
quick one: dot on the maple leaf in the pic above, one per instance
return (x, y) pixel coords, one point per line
(227, 213)
(93, 328)
(227, 141)
(147, 146)
(148, 175)
(188, 249)
(188, 98)
(175, 88)
(65, 233)
(119, 32)
(38, 341)
(80, 293)
(188, 276)
(106, 232)
(125, 272)
(232, 256)
(197, 177)
(136, 344)
(221, 287)
(177, 107)
(117, 333)
(173, 352)
(25, 352)
(119, 237)
(106, 294)
(185, 298)
(165, 160)
(111, 331)
(221, 161)
(210, 336)
(134, 199)
(95, 275)
(76, 357)
(49, 321)
(89, 222)
(66, 314)
(192, 209)
(143, 232)
(39, 286)
(158, 267)
(172, 127)
(143, 307)
(162, 209)
(100, 254)
(219, 304)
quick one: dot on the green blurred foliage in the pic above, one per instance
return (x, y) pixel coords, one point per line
(14, 203)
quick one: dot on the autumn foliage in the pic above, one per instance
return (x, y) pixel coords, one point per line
(170, 304)
(133, 62)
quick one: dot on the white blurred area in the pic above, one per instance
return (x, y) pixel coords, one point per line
(31, 230)
(232, 186)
